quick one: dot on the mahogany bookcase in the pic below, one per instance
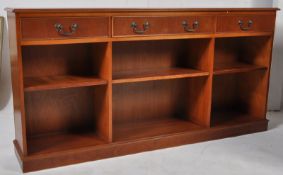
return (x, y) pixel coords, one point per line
(90, 84)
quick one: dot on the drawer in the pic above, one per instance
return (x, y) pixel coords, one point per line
(245, 23)
(140, 25)
(64, 27)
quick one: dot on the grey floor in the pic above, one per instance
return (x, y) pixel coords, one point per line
(260, 154)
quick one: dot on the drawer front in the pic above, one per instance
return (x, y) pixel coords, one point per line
(64, 27)
(245, 23)
(142, 26)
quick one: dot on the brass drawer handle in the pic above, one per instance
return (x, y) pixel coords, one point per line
(241, 24)
(60, 29)
(134, 25)
(188, 29)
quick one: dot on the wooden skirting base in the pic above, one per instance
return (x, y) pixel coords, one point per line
(50, 160)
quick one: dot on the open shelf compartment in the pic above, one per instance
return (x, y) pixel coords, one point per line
(63, 66)
(241, 54)
(239, 97)
(137, 61)
(65, 119)
(137, 114)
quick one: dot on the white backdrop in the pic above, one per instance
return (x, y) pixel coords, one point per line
(5, 81)
(276, 86)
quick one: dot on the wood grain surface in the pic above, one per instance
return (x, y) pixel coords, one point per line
(105, 90)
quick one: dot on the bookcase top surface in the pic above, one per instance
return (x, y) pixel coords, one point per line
(48, 10)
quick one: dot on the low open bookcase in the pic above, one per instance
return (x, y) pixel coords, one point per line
(114, 88)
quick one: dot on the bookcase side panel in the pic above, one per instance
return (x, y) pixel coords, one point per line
(17, 82)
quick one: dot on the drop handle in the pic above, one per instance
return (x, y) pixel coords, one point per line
(248, 27)
(136, 29)
(72, 29)
(195, 26)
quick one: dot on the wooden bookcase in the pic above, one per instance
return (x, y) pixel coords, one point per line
(90, 84)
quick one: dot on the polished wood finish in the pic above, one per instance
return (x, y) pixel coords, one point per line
(152, 128)
(58, 82)
(157, 60)
(161, 25)
(235, 68)
(106, 90)
(43, 28)
(63, 142)
(156, 74)
(50, 160)
(74, 59)
(25, 11)
(260, 23)
(241, 54)
(77, 104)
(17, 83)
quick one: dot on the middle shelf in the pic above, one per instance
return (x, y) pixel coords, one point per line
(51, 67)
(156, 74)
(138, 61)
(60, 81)
(235, 68)
(242, 54)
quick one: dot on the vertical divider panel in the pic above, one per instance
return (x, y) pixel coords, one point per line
(210, 80)
(201, 110)
(103, 94)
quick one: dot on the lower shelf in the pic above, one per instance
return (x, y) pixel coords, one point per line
(62, 142)
(230, 117)
(146, 129)
(55, 159)
(131, 131)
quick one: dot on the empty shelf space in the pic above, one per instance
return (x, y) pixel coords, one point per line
(59, 82)
(231, 117)
(152, 128)
(62, 142)
(156, 74)
(235, 68)
(139, 61)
